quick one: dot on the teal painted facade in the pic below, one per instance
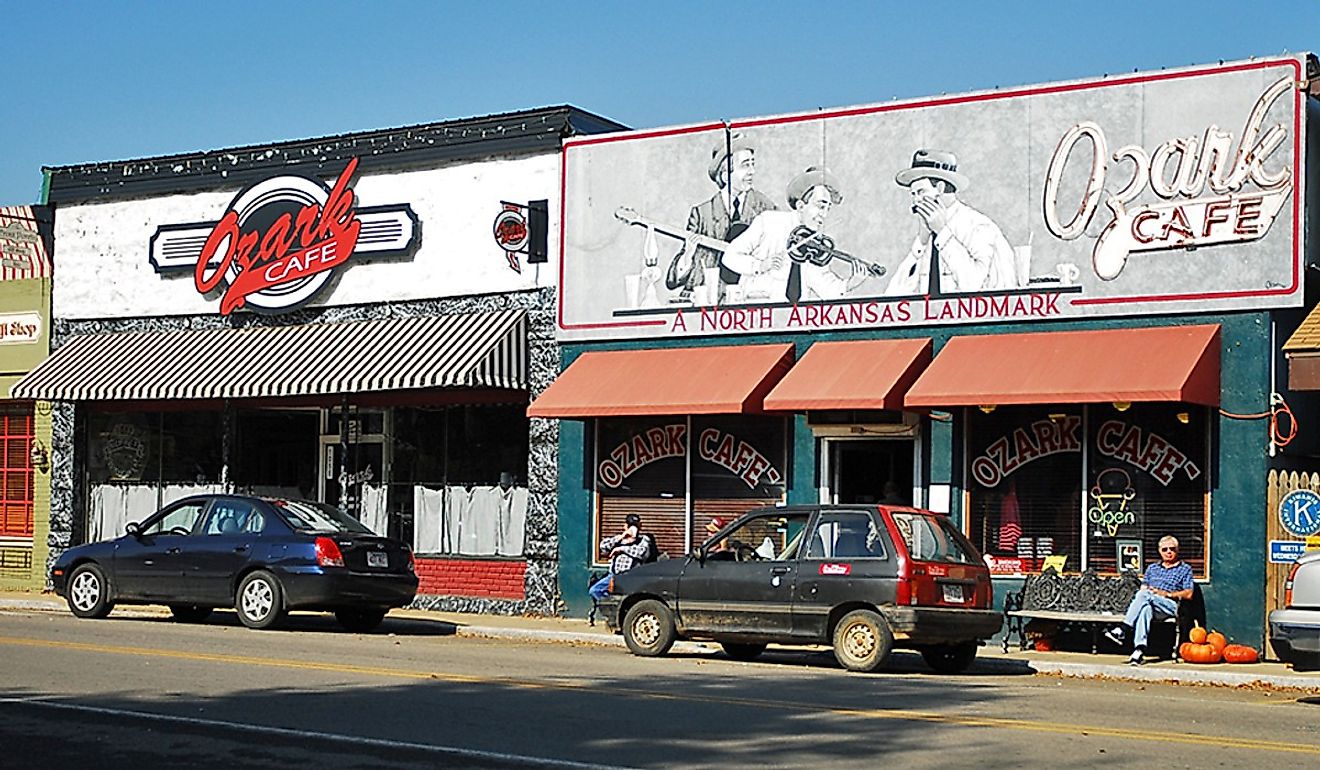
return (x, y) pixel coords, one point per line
(1235, 588)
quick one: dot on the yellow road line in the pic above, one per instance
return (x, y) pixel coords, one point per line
(1061, 728)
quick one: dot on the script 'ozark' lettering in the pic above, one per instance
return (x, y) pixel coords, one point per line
(317, 238)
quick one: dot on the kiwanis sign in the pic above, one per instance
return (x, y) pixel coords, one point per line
(280, 241)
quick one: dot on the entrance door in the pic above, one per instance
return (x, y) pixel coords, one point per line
(861, 470)
(354, 471)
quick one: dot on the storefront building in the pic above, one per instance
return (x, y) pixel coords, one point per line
(25, 245)
(358, 319)
(1054, 312)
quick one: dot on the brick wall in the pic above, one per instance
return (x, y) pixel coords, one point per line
(472, 577)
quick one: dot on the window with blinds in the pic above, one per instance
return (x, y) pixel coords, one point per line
(730, 463)
(16, 470)
(1093, 487)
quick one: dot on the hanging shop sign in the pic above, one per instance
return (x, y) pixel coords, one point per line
(520, 231)
(280, 241)
(1066, 200)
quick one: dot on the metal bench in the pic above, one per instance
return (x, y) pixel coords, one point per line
(1086, 599)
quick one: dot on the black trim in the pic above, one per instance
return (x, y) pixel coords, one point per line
(395, 148)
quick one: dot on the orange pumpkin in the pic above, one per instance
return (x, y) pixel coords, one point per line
(1217, 640)
(1240, 653)
(1197, 635)
(1200, 653)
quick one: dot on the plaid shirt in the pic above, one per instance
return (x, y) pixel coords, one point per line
(1175, 578)
(629, 555)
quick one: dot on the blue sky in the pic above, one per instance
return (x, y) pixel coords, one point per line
(101, 81)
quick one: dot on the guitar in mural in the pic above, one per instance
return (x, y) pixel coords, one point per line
(804, 244)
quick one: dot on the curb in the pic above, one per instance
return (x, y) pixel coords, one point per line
(983, 665)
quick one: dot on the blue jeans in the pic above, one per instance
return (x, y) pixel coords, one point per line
(601, 588)
(1145, 607)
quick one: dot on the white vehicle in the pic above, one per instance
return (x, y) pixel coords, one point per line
(1295, 630)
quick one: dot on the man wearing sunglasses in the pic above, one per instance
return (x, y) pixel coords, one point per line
(1165, 583)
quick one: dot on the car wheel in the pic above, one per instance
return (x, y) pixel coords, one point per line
(742, 650)
(89, 593)
(648, 628)
(260, 602)
(863, 641)
(189, 613)
(360, 620)
(950, 658)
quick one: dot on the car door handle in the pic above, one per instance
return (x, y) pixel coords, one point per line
(780, 570)
(171, 550)
(240, 548)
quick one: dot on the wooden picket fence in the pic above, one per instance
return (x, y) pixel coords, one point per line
(1280, 483)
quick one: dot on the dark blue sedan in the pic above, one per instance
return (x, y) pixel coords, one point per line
(263, 557)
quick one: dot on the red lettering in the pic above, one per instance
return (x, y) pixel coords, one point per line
(1215, 213)
(1248, 216)
(1139, 235)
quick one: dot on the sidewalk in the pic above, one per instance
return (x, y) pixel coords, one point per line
(991, 659)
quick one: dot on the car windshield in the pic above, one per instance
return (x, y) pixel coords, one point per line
(307, 516)
(933, 538)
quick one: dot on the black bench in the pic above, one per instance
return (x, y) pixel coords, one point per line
(1086, 599)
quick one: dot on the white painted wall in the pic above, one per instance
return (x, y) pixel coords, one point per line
(102, 268)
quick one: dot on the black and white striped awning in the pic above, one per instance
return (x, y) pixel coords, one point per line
(483, 350)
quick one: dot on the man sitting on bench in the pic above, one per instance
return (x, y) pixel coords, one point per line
(1165, 583)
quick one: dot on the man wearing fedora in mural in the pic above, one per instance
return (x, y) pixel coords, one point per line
(761, 255)
(732, 169)
(969, 249)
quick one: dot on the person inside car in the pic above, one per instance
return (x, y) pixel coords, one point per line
(723, 550)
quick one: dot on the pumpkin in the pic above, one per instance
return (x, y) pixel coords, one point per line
(1240, 653)
(1217, 640)
(1197, 635)
(1200, 653)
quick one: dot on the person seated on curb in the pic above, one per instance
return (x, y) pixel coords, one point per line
(1165, 583)
(626, 550)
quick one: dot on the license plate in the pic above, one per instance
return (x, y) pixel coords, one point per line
(382, 559)
(953, 593)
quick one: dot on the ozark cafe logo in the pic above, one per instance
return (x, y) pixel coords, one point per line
(280, 241)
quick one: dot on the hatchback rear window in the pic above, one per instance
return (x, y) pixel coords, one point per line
(933, 538)
(307, 516)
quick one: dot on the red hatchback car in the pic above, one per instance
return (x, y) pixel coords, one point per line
(865, 579)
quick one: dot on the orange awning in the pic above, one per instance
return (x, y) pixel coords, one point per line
(856, 374)
(1167, 363)
(671, 381)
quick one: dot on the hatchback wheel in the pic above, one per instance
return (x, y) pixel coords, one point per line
(360, 620)
(648, 628)
(88, 592)
(863, 641)
(260, 601)
(950, 658)
(189, 613)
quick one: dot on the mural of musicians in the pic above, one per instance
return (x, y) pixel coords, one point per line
(724, 216)
(771, 255)
(968, 248)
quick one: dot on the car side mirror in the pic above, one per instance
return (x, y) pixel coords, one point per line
(134, 529)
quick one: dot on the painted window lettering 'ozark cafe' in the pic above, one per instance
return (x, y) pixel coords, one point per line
(726, 465)
(1093, 486)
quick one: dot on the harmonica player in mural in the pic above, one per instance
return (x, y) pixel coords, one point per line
(723, 217)
(971, 252)
(785, 256)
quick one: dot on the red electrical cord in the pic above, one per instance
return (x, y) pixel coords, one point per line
(1277, 407)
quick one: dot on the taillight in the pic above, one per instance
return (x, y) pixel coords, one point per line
(1288, 584)
(327, 553)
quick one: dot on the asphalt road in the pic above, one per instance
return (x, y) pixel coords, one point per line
(135, 692)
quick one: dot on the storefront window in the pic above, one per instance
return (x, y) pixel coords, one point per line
(1086, 488)
(16, 470)
(459, 478)
(139, 461)
(731, 464)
